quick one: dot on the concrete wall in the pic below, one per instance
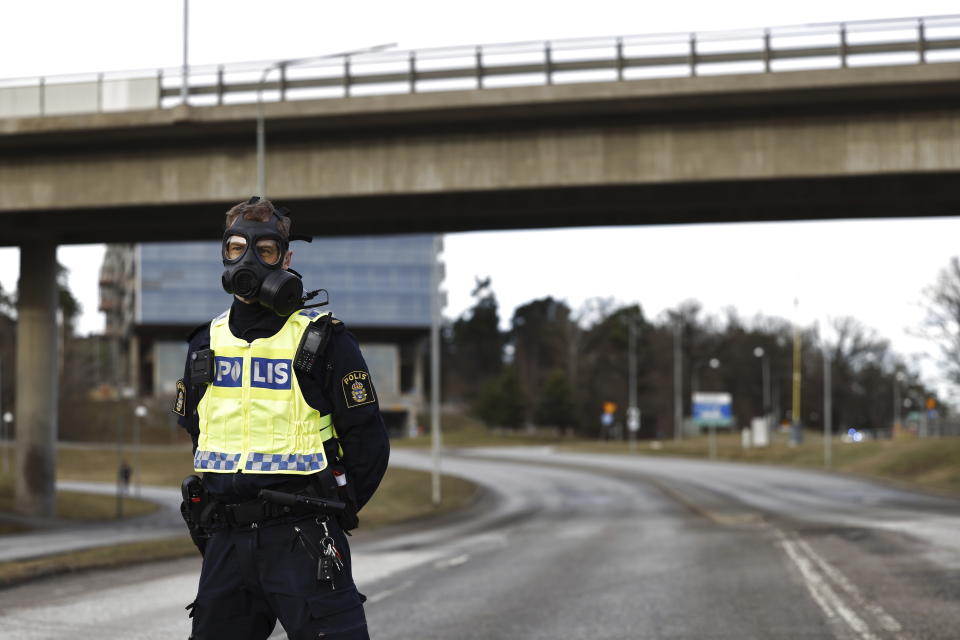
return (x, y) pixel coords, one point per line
(812, 127)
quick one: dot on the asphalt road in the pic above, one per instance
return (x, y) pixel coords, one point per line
(593, 546)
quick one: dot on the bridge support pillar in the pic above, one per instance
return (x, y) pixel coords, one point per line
(37, 379)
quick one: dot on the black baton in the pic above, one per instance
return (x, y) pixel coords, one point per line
(293, 499)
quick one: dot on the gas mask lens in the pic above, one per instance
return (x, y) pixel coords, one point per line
(269, 251)
(234, 248)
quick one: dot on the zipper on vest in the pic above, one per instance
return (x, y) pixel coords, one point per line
(245, 398)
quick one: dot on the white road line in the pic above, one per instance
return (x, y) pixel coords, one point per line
(822, 593)
(888, 622)
(452, 562)
(386, 593)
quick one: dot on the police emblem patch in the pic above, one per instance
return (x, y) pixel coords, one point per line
(179, 404)
(357, 389)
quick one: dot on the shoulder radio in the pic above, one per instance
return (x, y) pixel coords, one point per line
(312, 344)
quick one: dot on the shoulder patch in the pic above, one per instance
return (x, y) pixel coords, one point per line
(358, 389)
(179, 404)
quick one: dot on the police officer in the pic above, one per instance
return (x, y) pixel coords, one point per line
(276, 397)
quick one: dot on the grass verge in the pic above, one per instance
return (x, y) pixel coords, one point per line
(460, 430)
(406, 494)
(166, 466)
(929, 464)
(75, 505)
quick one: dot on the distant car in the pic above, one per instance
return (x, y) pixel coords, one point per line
(853, 435)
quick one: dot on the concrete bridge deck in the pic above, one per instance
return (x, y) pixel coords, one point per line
(854, 142)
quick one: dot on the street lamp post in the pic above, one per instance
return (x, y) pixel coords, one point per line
(827, 409)
(283, 65)
(435, 319)
(185, 79)
(140, 412)
(714, 364)
(7, 421)
(3, 424)
(764, 381)
(677, 383)
(633, 411)
(897, 412)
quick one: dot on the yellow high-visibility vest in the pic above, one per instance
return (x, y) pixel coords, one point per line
(253, 415)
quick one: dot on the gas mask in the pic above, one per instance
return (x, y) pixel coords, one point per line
(253, 254)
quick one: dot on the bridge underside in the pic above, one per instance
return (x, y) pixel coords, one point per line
(834, 143)
(871, 196)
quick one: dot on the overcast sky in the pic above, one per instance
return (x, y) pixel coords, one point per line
(873, 270)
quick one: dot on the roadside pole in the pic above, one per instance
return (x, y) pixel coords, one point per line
(140, 412)
(796, 435)
(7, 420)
(435, 369)
(3, 424)
(120, 484)
(677, 385)
(827, 410)
(184, 86)
(633, 411)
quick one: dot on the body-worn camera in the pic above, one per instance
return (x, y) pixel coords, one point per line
(201, 366)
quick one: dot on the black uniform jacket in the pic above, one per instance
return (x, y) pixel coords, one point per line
(360, 429)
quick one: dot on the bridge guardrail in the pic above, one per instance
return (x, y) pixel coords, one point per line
(843, 44)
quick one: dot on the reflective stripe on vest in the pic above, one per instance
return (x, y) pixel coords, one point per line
(253, 415)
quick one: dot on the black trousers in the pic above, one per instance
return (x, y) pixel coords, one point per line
(253, 576)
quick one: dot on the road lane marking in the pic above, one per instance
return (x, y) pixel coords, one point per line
(386, 593)
(887, 621)
(452, 562)
(821, 591)
(370, 567)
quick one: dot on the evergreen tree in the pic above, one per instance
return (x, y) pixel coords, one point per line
(556, 407)
(502, 402)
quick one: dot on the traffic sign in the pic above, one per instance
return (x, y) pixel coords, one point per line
(609, 407)
(713, 409)
(633, 419)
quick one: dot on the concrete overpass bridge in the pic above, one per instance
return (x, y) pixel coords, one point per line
(477, 138)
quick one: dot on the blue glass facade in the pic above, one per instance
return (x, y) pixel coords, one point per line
(381, 281)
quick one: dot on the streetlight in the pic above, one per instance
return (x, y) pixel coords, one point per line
(185, 75)
(897, 411)
(7, 421)
(633, 411)
(677, 383)
(283, 65)
(827, 409)
(714, 363)
(140, 412)
(436, 311)
(758, 352)
(3, 425)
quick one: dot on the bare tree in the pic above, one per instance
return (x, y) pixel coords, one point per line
(942, 324)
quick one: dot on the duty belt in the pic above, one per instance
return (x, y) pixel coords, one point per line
(256, 511)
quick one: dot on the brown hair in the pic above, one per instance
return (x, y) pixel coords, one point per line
(260, 210)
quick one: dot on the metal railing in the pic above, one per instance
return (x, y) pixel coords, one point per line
(833, 45)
